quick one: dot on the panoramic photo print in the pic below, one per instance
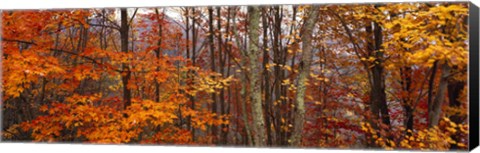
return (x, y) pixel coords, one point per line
(351, 76)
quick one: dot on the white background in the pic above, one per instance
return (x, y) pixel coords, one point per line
(50, 148)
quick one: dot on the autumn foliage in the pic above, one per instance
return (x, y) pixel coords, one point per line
(389, 76)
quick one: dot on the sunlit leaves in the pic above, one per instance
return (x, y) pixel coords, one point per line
(22, 68)
(436, 138)
(210, 83)
(427, 34)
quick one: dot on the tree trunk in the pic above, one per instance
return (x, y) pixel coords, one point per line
(266, 79)
(222, 57)
(212, 66)
(431, 83)
(307, 47)
(158, 53)
(434, 109)
(255, 79)
(378, 98)
(406, 81)
(279, 73)
(127, 98)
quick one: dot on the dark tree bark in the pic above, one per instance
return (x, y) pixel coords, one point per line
(406, 81)
(266, 79)
(126, 74)
(378, 99)
(212, 67)
(434, 108)
(158, 53)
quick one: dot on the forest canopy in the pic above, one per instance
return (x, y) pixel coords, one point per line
(389, 76)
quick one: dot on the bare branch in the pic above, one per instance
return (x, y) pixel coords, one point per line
(131, 19)
(106, 26)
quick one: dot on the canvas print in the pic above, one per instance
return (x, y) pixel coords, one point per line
(355, 76)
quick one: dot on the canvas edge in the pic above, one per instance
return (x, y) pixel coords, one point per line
(473, 76)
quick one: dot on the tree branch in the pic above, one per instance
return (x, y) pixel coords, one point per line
(106, 26)
(63, 51)
(131, 19)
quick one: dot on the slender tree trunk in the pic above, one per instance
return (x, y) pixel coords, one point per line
(280, 117)
(431, 83)
(266, 84)
(406, 82)
(378, 76)
(194, 59)
(434, 109)
(406, 75)
(124, 46)
(255, 89)
(222, 57)
(189, 73)
(158, 53)
(377, 87)
(194, 38)
(187, 31)
(304, 70)
(212, 67)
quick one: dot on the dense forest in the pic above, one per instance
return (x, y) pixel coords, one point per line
(390, 76)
